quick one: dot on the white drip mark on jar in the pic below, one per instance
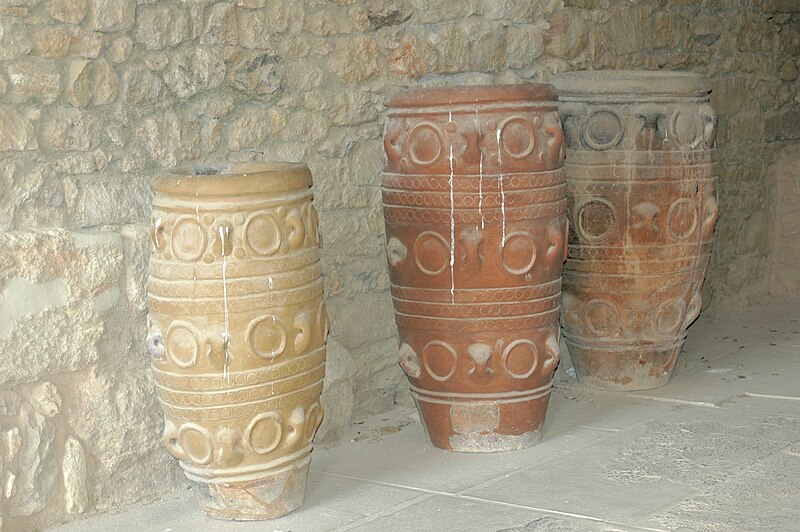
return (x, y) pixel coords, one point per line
(502, 190)
(226, 337)
(480, 169)
(452, 222)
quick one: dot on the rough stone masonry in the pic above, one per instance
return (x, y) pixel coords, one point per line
(98, 95)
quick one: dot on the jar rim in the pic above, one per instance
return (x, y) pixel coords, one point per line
(624, 82)
(230, 178)
(471, 94)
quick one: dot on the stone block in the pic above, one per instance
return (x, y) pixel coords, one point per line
(78, 83)
(252, 127)
(117, 417)
(161, 26)
(783, 126)
(412, 57)
(355, 59)
(140, 85)
(95, 202)
(780, 6)
(258, 73)
(784, 254)
(103, 83)
(34, 80)
(337, 395)
(729, 95)
(120, 49)
(71, 129)
(70, 11)
(136, 246)
(428, 13)
(363, 308)
(304, 126)
(221, 25)
(322, 21)
(161, 137)
(52, 41)
(452, 49)
(49, 282)
(487, 49)
(525, 44)
(387, 13)
(194, 69)
(73, 473)
(379, 379)
(112, 15)
(17, 132)
(755, 34)
(14, 38)
(32, 483)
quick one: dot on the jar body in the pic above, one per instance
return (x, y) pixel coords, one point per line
(475, 208)
(641, 177)
(238, 332)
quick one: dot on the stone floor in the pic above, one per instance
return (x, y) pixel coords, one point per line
(716, 449)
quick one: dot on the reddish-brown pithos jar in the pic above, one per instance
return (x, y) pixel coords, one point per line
(642, 178)
(474, 200)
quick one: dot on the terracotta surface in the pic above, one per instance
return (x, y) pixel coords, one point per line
(641, 177)
(475, 208)
(238, 332)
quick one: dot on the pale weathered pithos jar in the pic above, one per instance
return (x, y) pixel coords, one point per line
(238, 332)
(475, 205)
(642, 192)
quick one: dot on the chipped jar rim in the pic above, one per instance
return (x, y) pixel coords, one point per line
(232, 178)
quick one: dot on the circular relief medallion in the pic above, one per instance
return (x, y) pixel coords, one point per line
(431, 253)
(601, 317)
(263, 234)
(687, 127)
(682, 218)
(196, 443)
(670, 316)
(520, 358)
(188, 239)
(519, 253)
(181, 344)
(517, 137)
(425, 144)
(267, 337)
(264, 432)
(595, 219)
(440, 360)
(603, 130)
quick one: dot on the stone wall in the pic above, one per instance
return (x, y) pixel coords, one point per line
(98, 95)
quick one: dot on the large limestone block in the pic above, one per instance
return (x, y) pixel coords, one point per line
(55, 288)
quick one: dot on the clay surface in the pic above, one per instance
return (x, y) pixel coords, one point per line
(641, 176)
(238, 332)
(475, 207)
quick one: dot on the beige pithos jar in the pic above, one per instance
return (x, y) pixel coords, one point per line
(642, 199)
(238, 332)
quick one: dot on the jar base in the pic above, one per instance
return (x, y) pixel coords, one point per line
(257, 496)
(623, 368)
(506, 422)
